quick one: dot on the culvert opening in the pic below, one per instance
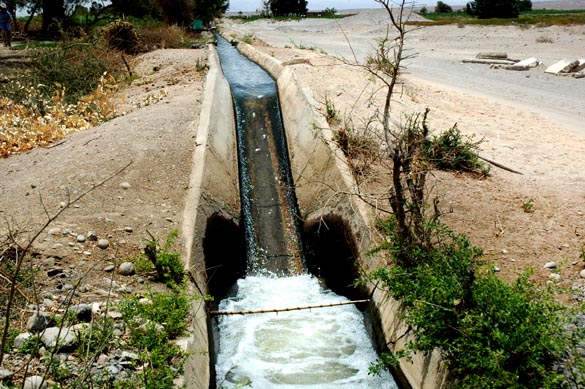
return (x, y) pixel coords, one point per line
(317, 347)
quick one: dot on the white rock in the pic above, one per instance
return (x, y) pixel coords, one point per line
(55, 231)
(550, 265)
(103, 244)
(80, 238)
(21, 339)
(125, 185)
(554, 276)
(34, 382)
(582, 274)
(126, 269)
(61, 338)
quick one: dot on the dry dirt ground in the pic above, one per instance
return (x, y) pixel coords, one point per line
(138, 165)
(153, 139)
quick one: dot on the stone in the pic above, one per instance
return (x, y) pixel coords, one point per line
(50, 262)
(35, 382)
(80, 238)
(554, 276)
(582, 273)
(4, 373)
(55, 231)
(21, 340)
(82, 311)
(60, 338)
(38, 322)
(102, 359)
(91, 236)
(128, 229)
(125, 185)
(103, 244)
(550, 265)
(526, 63)
(109, 268)
(126, 269)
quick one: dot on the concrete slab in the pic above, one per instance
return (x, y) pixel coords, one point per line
(563, 66)
(528, 62)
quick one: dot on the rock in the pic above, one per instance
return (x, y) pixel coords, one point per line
(554, 276)
(125, 185)
(71, 244)
(38, 322)
(61, 338)
(80, 238)
(50, 262)
(128, 229)
(21, 340)
(34, 382)
(55, 231)
(82, 311)
(103, 244)
(109, 268)
(496, 269)
(113, 370)
(91, 236)
(526, 63)
(550, 265)
(5, 374)
(582, 273)
(57, 246)
(126, 269)
(102, 360)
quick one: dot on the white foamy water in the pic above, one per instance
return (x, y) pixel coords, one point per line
(320, 348)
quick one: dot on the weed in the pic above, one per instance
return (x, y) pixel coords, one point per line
(528, 206)
(248, 38)
(544, 39)
(201, 66)
(330, 112)
(358, 145)
(168, 266)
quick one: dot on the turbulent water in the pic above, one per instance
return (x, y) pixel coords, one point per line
(318, 348)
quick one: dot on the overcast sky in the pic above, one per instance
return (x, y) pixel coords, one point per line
(253, 5)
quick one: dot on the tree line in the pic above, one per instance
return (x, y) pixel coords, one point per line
(57, 14)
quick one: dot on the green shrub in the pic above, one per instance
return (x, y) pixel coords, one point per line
(490, 333)
(451, 150)
(168, 266)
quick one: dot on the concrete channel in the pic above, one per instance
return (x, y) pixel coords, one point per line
(335, 223)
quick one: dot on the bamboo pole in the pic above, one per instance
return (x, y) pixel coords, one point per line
(277, 310)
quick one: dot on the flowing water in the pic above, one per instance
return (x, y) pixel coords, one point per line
(318, 348)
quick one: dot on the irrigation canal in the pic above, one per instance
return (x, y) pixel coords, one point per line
(319, 348)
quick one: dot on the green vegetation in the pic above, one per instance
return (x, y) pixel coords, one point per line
(167, 265)
(451, 150)
(534, 17)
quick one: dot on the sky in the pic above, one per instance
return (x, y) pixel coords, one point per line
(253, 5)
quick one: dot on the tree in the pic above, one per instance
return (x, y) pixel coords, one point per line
(524, 5)
(487, 9)
(207, 10)
(443, 8)
(288, 7)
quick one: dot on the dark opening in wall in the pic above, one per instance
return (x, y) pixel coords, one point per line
(225, 256)
(331, 253)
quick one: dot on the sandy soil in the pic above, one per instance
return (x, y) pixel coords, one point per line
(529, 121)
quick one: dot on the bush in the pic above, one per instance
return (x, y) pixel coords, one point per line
(490, 333)
(168, 266)
(442, 8)
(122, 36)
(451, 150)
(329, 12)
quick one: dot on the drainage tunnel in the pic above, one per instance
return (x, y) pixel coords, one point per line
(313, 348)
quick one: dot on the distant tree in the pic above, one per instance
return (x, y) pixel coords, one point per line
(423, 11)
(524, 5)
(487, 9)
(265, 8)
(443, 8)
(288, 7)
(207, 10)
(329, 12)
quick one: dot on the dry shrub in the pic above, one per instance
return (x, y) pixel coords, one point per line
(358, 145)
(169, 37)
(24, 128)
(121, 35)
